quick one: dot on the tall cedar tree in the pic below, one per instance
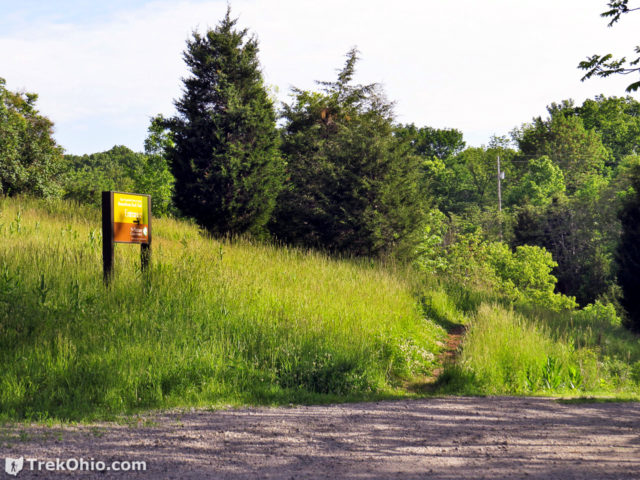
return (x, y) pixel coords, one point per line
(628, 254)
(351, 186)
(225, 155)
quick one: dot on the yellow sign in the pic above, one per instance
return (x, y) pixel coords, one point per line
(130, 218)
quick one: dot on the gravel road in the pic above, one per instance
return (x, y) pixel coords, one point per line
(442, 438)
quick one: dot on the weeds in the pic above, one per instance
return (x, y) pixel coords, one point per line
(232, 322)
(210, 323)
(543, 352)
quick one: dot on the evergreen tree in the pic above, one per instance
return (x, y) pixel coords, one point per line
(352, 186)
(225, 156)
(628, 254)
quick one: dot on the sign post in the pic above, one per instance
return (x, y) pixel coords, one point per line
(126, 218)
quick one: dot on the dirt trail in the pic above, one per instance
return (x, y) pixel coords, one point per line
(448, 355)
(444, 438)
(452, 346)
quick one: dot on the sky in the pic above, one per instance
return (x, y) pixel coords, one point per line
(102, 69)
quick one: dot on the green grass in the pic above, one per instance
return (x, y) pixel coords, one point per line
(592, 400)
(441, 307)
(506, 354)
(511, 350)
(212, 322)
(217, 323)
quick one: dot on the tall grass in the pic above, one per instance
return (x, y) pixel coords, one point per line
(508, 354)
(212, 322)
(505, 351)
(596, 330)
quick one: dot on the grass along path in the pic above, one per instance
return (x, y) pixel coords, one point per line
(212, 322)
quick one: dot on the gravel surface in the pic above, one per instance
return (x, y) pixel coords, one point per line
(447, 438)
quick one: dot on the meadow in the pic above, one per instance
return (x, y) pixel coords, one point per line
(217, 323)
(211, 323)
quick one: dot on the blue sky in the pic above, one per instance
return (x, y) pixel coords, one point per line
(102, 69)
(16, 15)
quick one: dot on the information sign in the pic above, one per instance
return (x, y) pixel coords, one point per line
(130, 218)
(126, 218)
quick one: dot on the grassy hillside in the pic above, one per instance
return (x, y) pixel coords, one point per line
(514, 349)
(211, 322)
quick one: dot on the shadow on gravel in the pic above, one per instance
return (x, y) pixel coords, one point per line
(447, 438)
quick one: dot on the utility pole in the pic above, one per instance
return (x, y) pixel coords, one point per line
(500, 177)
(499, 186)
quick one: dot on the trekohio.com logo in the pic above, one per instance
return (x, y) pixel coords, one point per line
(13, 466)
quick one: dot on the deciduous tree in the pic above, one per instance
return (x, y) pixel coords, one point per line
(542, 183)
(432, 142)
(606, 65)
(578, 151)
(120, 169)
(30, 159)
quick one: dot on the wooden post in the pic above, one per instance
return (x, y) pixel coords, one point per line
(145, 248)
(107, 236)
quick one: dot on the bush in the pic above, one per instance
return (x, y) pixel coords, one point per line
(525, 275)
(603, 314)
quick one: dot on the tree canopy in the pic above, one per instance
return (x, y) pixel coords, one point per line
(122, 169)
(30, 159)
(432, 142)
(578, 151)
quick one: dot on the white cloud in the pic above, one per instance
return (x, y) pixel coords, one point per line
(482, 67)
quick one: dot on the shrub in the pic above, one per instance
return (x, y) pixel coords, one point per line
(598, 313)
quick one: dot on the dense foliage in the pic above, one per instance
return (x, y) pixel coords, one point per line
(432, 142)
(119, 169)
(352, 186)
(30, 159)
(545, 217)
(628, 252)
